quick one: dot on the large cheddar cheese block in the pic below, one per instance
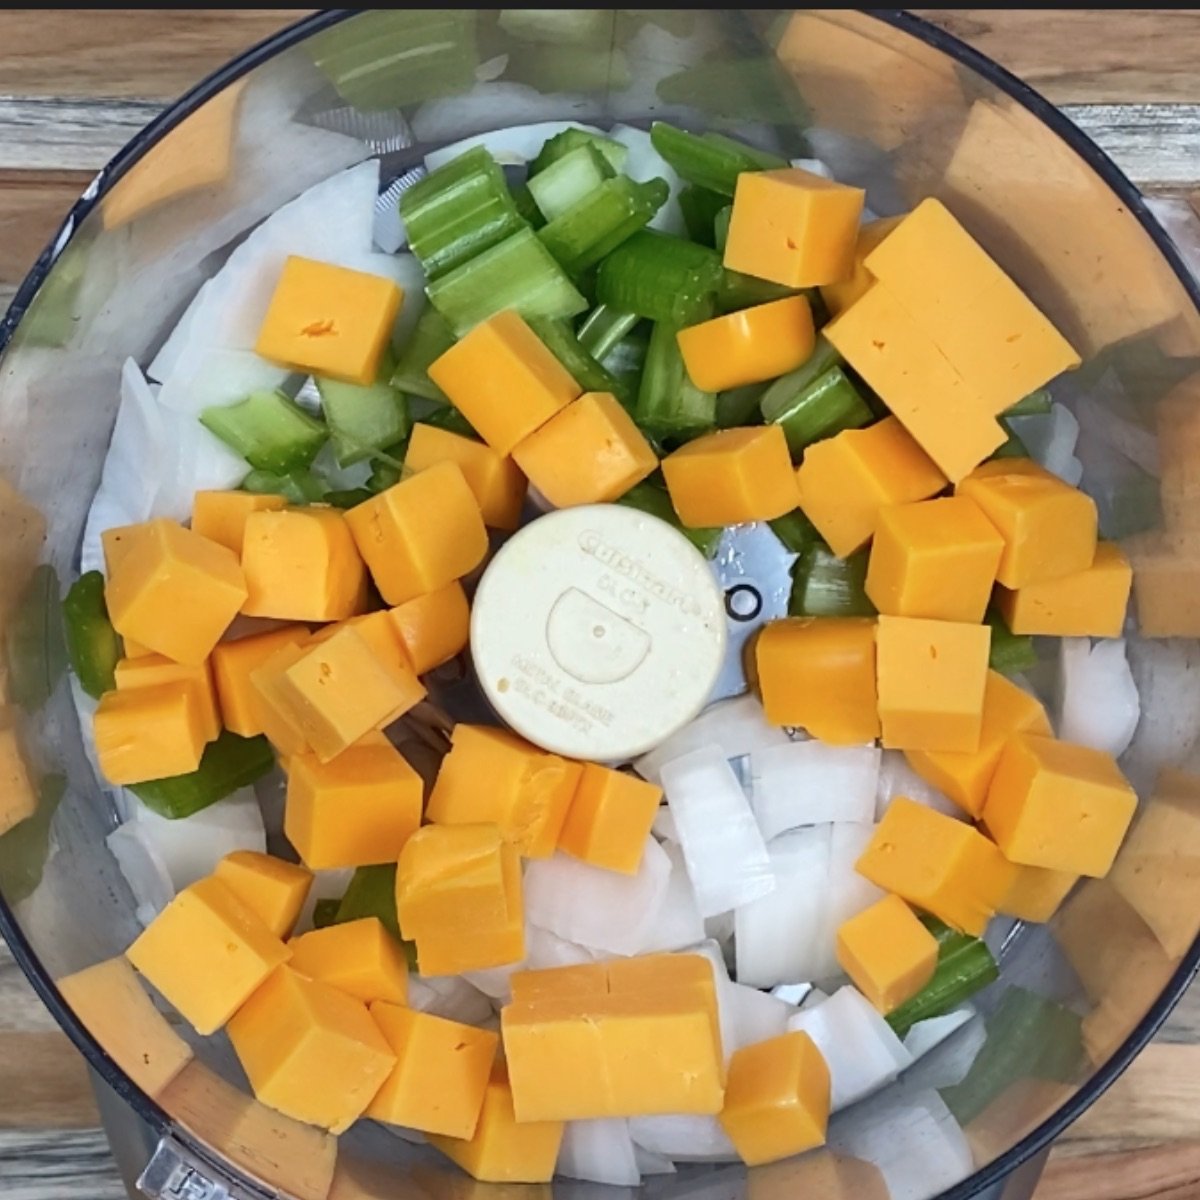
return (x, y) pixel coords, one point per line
(888, 954)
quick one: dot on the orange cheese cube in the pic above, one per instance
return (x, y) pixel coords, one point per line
(310, 1051)
(888, 954)
(18, 794)
(527, 795)
(845, 480)
(818, 674)
(583, 979)
(174, 591)
(966, 777)
(152, 669)
(359, 958)
(272, 889)
(935, 558)
(504, 380)
(1049, 527)
(117, 542)
(609, 819)
(496, 481)
(590, 452)
(221, 516)
(433, 628)
(777, 1098)
(839, 296)
(232, 664)
(501, 1149)
(302, 565)
(150, 732)
(731, 476)
(134, 649)
(206, 952)
(421, 534)
(1057, 805)
(1035, 893)
(379, 632)
(793, 227)
(751, 345)
(355, 811)
(329, 320)
(271, 701)
(931, 681)
(1089, 603)
(936, 863)
(441, 1072)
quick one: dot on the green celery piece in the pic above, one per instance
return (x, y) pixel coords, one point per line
(721, 228)
(746, 89)
(363, 419)
(568, 180)
(1012, 446)
(268, 430)
(527, 206)
(458, 211)
(628, 357)
(700, 209)
(34, 643)
(653, 498)
(778, 396)
(519, 273)
(824, 585)
(795, 531)
(737, 291)
(570, 69)
(661, 278)
(371, 893)
(299, 487)
(819, 409)
(348, 497)
(740, 406)
(603, 328)
(592, 27)
(668, 403)
(561, 144)
(448, 417)
(430, 339)
(25, 847)
(583, 368)
(325, 913)
(607, 216)
(1010, 652)
(93, 648)
(710, 160)
(384, 476)
(1036, 404)
(229, 763)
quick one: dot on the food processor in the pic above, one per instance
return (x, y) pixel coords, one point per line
(890, 104)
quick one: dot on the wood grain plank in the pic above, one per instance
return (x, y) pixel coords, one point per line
(1167, 1172)
(58, 1165)
(53, 134)
(46, 1084)
(32, 206)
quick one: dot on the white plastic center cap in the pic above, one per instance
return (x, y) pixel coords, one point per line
(598, 631)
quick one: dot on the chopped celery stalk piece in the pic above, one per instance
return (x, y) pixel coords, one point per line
(739, 406)
(371, 893)
(700, 209)
(448, 417)
(819, 409)
(269, 431)
(628, 357)
(744, 291)
(458, 211)
(561, 144)
(603, 328)
(568, 180)
(93, 647)
(1010, 652)
(35, 648)
(824, 585)
(652, 498)
(229, 763)
(25, 847)
(779, 394)
(362, 419)
(583, 368)
(1036, 404)
(325, 913)
(527, 206)
(430, 339)
(668, 402)
(519, 273)
(348, 497)
(299, 487)
(559, 26)
(1012, 446)
(710, 160)
(660, 277)
(570, 69)
(721, 228)
(602, 220)
(745, 89)
(795, 531)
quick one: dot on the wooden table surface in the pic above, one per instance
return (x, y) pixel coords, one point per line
(75, 86)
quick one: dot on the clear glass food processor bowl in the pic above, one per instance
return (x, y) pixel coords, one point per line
(890, 104)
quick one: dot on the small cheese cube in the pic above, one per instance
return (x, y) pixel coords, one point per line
(359, 958)
(936, 863)
(328, 320)
(206, 952)
(272, 889)
(590, 452)
(931, 681)
(1057, 805)
(379, 632)
(732, 476)
(114, 1008)
(501, 1149)
(496, 481)
(935, 558)
(751, 345)
(818, 674)
(888, 954)
(1036, 893)
(844, 481)
(232, 664)
(609, 819)
(174, 591)
(355, 811)
(1089, 603)
(777, 1098)
(433, 628)
(839, 296)
(504, 380)
(793, 227)
(302, 565)
(271, 700)
(221, 516)
(135, 649)
(421, 534)
(527, 795)
(310, 1051)
(149, 733)
(18, 795)
(152, 669)
(441, 1072)
(1049, 527)
(966, 777)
